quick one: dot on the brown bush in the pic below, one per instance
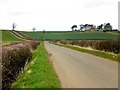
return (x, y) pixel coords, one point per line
(63, 42)
(33, 44)
(104, 45)
(14, 57)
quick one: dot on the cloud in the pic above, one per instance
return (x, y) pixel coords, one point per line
(56, 14)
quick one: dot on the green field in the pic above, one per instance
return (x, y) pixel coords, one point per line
(7, 36)
(70, 35)
(59, 35)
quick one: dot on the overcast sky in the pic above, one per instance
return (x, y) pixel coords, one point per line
(57, 15)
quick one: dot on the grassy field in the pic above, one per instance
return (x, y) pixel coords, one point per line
(7, 36)
(93, 52)
(71, 35)
(39, 73)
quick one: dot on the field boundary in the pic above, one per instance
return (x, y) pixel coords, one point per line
(8, 36)
(39, 72)
(93, 52)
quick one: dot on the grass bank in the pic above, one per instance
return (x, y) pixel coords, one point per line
(39, 73)
(93, 52)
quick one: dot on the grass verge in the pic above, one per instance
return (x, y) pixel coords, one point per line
(93, 52)
(39, 73)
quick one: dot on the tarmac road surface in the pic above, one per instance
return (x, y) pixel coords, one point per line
(81, 70)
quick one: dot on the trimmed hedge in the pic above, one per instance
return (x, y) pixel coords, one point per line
(14, 58)
(103, 45)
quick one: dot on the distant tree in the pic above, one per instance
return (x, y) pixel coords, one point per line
(74, 27)
(94, 27)
(100, 27)
(107, 27)
(82, 27)
(86, 25)
(13, 26)
(43, 31)
(115, 29)
(89, 26)
(33, 29)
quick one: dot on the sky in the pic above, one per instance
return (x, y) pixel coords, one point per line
(56, 15)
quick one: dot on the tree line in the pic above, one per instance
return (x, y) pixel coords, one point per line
(89, 27)
(84, 27)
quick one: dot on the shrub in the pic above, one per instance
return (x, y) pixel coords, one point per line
(63, 42)
(103, 45)
(14, 57)
(32, 44)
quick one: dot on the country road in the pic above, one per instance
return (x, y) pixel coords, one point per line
(81, 70)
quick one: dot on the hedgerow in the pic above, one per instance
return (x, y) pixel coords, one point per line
(14, 58)
(103, 45)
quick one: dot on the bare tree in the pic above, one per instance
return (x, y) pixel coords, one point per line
(13, 26)
(33, 29)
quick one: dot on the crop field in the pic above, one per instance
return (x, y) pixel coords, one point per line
(71, 35)
(8, 36)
